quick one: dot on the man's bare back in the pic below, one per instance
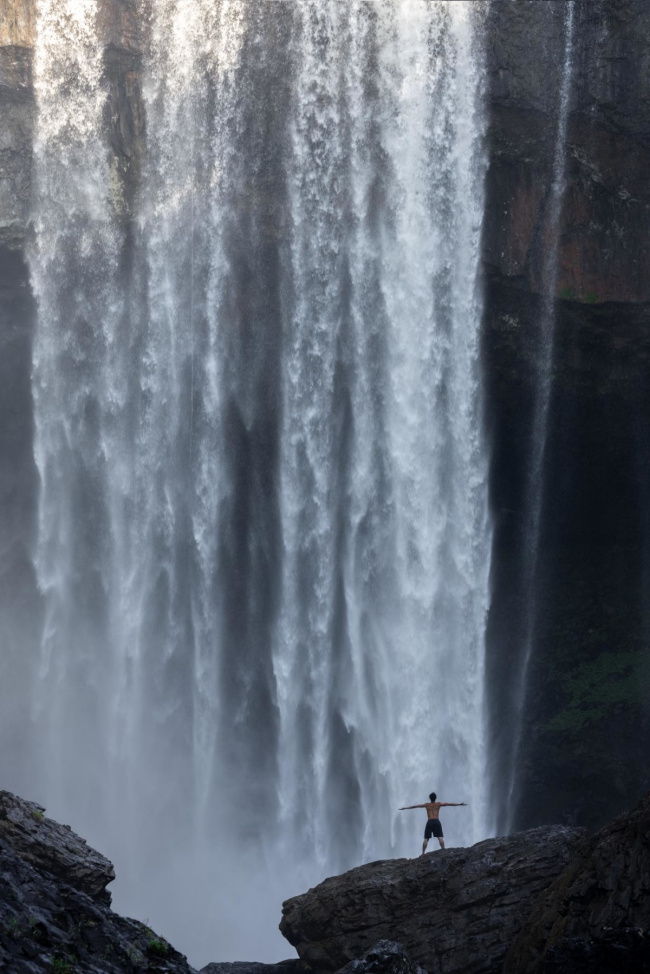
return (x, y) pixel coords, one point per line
(432, 808)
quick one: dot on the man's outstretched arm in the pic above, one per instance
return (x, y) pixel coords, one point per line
(406, 807)
(451, 804)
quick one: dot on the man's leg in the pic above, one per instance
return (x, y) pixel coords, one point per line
(441, 841)
(424, 846)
